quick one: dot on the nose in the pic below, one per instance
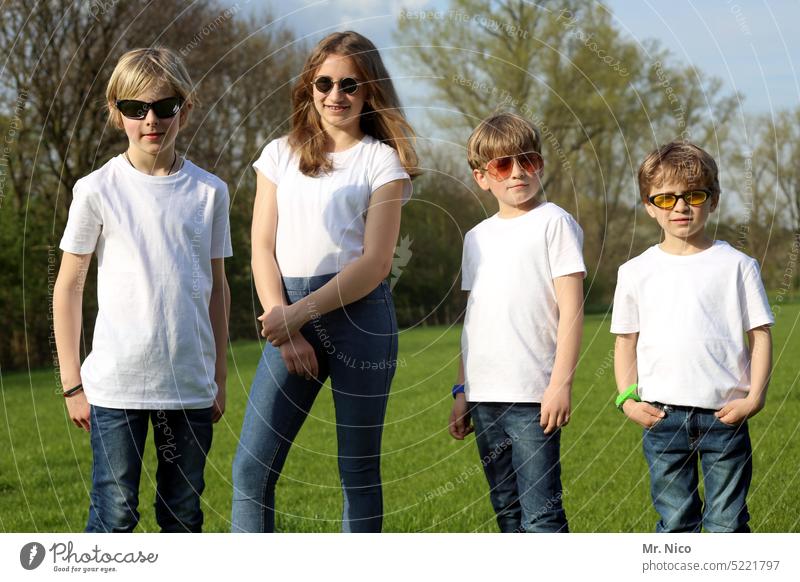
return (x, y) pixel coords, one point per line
(517, 171)
(151, 118)
(680, 205)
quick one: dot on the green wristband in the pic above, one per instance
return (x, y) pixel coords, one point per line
(629, 394)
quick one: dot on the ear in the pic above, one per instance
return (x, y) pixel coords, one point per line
(184, 114)
(481, 179)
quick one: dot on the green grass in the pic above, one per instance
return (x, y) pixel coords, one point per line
(431, 482)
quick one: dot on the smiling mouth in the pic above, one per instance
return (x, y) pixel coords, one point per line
(337, 107)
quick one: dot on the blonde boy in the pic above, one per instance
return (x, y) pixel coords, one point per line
(159, 227)
(524, 270)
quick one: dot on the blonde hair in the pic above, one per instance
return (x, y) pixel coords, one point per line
(381, 116)
(502, 134)
(141, 69)
(679, 162)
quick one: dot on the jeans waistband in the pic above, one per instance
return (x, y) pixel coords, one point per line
(307, 284)
(671, 407)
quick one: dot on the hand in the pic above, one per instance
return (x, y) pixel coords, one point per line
(79, 410)
(556, 403)
(299, 357)
(737, 411)
(460, 421)
(282, 322)
(642, 413)
(218, 408)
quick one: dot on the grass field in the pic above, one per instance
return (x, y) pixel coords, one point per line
(432, 483)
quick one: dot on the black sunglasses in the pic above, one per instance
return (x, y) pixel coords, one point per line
(668, 200)
(163, 108)
(325, 85)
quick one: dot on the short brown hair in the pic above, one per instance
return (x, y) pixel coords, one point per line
(681, 162)
(141, 69)
(503, 134)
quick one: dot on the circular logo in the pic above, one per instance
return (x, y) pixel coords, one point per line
(31, 555)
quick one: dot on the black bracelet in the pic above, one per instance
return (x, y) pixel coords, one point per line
(73, 391)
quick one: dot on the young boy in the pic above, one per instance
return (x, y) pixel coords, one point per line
(159, 226)
(524, 270)
(682, 368)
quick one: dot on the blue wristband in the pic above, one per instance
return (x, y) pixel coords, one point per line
(458, 389)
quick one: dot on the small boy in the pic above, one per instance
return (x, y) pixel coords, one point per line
(159, 226)
(524, 270)
(682, 368)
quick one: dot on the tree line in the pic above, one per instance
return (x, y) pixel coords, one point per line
(601, 100)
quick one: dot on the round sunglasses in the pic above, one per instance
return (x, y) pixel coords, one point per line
(325, 84)
(668, 200)
(501, 168)
(163, 108)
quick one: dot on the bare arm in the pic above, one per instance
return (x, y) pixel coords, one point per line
(626, 373)
(760, 343)
(297, 353)
(460, 423)
(219, 309)
(67, 305)
(556, 401)
(358, 278)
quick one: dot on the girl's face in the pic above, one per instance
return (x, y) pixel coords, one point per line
(154, 135)
(339, 109)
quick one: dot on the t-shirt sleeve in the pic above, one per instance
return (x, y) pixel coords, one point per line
(268, 162)
(84, 222)
(221, 246)
(625, 314)
(387, 168)
(565, 247)
(756, 310)
(467, 266)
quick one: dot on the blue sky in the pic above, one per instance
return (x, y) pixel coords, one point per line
(752, 45)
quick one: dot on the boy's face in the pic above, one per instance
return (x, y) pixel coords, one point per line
(683, 221)
(514, 180)
(153, 135)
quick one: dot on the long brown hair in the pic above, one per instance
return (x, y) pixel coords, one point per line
(381, 116)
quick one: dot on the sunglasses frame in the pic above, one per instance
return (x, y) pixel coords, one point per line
(339, 82)
(120, 103)
(680, 196)
(496, 175)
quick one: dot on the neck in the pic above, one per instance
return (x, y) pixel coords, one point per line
(160, 164)
(342, 138)
(509, 211)
(686, 246)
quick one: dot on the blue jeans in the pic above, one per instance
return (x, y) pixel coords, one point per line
(182, 439)
(357, 347)
(522, 466)
(673, 447)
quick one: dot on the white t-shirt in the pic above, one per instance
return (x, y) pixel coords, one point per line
(321, 220)
(509, 338)
(691, 312)
(155, 236)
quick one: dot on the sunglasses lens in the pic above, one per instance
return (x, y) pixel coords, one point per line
(166, 107)
(348, 85)
(500, 168)
(530, 162)
(323, 84)
(664, 200)
(132, 109)
(696, 197)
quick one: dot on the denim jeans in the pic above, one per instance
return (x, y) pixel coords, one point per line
(182, 439)
(673, 447)
(522, 466)
(357, 347)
